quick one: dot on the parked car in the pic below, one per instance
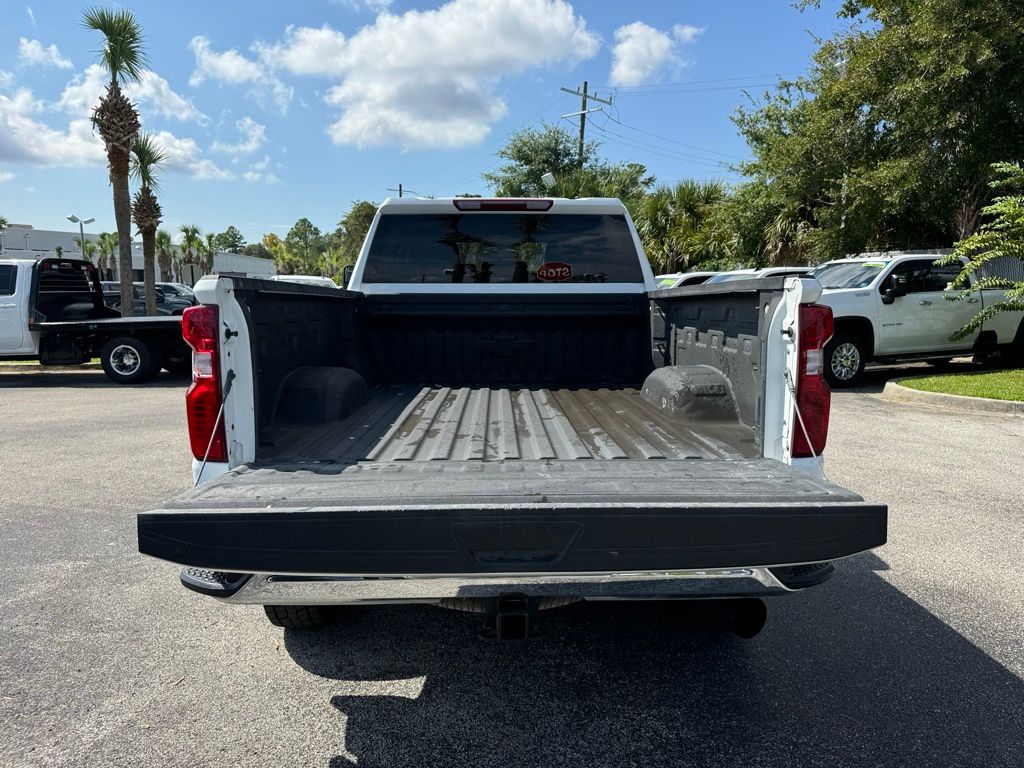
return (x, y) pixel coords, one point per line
(893, 307)
(507, 444)
(681, 279)
(177, 291)
(752, 274)
(325, 282)
(52, 310)
(165, 304)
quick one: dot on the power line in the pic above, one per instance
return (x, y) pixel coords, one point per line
(702, 82)
(667, 89)
(664, 151)
(674, 141)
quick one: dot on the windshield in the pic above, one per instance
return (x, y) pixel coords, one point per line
(502, 248)
(727, 276)
(856, 274)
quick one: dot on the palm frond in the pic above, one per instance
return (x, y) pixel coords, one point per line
(122, 54)
(147, 157)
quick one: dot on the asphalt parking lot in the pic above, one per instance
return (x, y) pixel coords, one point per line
(911, 656)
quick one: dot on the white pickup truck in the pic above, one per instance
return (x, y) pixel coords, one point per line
(893, 307)
(484, 420)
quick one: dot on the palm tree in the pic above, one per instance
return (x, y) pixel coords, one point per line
(146, 158)
(88, 250)
(3, 227)
(165, 254)
(210, 250)
(106, 244)
(118, 121)
(191, 242)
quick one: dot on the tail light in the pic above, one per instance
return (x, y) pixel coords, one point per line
(813, 397)
(502, 204)
(203, 399)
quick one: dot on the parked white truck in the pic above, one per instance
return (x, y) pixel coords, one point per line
(892, 307)
(52, 310)
(485, 421)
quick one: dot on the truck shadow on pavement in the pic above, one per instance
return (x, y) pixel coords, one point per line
(852, 673)
(86, 380)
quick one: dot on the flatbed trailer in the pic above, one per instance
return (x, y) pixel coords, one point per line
(52, 310)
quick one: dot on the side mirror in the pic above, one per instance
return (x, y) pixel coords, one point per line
(900, 283)
(346, 275)
(888, 297)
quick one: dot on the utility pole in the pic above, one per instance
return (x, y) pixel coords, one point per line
(401, 190)
(584, 96)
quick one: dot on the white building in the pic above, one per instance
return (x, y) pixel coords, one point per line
(23, 241)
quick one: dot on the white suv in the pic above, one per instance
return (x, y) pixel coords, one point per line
(893, 306)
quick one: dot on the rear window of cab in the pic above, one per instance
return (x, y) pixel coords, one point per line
(502, 248)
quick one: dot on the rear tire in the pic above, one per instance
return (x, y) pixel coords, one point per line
(127, 360)
(297, 616)
(845, 357)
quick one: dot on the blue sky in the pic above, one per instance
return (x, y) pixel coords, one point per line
(271, 111)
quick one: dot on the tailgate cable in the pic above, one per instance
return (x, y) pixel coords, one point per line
(213, 433)
(803, 427)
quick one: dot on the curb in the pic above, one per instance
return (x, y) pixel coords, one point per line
(83, 368)
(894, 392)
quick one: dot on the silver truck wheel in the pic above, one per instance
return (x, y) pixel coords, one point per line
(844, 360)
(127, 360)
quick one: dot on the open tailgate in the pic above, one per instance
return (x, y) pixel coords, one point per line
(544, 516)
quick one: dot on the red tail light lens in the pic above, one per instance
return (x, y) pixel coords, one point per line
(813, 397)
(203, 399)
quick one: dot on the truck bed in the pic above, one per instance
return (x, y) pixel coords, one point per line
(422, 424)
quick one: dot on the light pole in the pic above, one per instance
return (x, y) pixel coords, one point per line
(81, 230)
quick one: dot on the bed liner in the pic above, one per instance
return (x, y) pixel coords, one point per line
(429, 424)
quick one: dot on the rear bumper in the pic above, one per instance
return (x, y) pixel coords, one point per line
(264, 589)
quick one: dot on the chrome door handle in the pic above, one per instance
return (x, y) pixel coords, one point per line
(8, 306)
(972, 301)
(925, 302)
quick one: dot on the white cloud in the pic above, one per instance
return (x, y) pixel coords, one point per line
(31, 16)
(153, 89)
(427, 78)
(32, 53)
(253, 137)
(24, 138)
(642, 52)
(83, 92)
(371, 5)
(233, 68)
(6, 176)
(258, 172)
(6, 78)
(306, 51)
(183, 155)
(686, 33)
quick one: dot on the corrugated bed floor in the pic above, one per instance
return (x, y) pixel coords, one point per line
(468, 424)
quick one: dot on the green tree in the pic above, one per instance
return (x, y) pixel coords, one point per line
(887, 142)
(146, 159)
(531, 153)
(351, 232)
(1000, 238)
(191, 244)
(230, 240)
(304, 244)
(3, 227)
(675, 225)
(117, 120)
(165, 254)
(283, 262)
(106, 245)
(259, 250)
(207, 252)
